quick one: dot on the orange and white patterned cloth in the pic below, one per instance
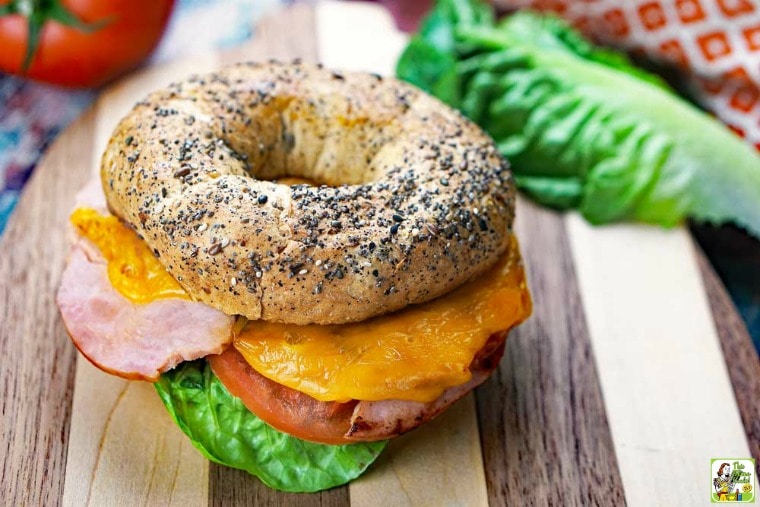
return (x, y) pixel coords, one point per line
(715, 42)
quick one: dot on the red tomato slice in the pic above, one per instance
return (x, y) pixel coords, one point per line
(302, 416)
(281, 407)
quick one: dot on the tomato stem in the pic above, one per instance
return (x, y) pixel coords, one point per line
(39, 12)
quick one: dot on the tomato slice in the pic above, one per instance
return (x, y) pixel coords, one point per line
(281, 407)
(304, 417)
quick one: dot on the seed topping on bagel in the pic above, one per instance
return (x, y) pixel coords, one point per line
(411, 199)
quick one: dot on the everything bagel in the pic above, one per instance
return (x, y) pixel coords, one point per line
(413, 199)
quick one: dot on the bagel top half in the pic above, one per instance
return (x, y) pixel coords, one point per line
(413, 199)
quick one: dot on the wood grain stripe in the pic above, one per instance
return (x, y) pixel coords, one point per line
(236, 487)
(119, 425)
(668, 396)
(741, 356)
(287, 35)
(542, 418)
(38, 361)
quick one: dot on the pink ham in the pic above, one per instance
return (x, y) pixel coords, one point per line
(379, 420)
(92, 196)
(135, 341)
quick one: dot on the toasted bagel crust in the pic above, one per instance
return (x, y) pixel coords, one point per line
(415, 198)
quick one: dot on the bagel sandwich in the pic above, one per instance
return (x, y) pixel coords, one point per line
(293, 326)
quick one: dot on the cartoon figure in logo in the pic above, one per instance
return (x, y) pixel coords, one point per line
(723, 483)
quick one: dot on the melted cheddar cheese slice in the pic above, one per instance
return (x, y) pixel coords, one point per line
(132, 268)
(412, 354)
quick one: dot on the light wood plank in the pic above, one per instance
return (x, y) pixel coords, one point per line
(542, 418)
(125, 450)
(669, 399)
(284, 35)
(441, 463)
(358, 36)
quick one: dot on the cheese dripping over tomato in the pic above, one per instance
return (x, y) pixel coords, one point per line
(413, 354)
(132, 268)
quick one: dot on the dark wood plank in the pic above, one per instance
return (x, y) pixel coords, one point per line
(236, 487)
(741, 356)
(284, 36)
(543, 424)
(38, 361)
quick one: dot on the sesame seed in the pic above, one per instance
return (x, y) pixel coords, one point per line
(262, 199)
(258, 274)
(303, 271)
(233, 281)
(202, 227)
(318, 263)
(394, 228)
(225, 242)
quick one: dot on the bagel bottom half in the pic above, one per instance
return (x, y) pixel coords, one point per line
(347, 434)
(237, 417)
(241, 408)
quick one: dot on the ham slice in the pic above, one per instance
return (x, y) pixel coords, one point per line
(379, 420)
(134, 341)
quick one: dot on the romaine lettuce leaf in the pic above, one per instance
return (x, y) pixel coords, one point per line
(581, 125)
(226, 432)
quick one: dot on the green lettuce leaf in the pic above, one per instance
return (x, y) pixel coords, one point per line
(583, 127)
(226, 432)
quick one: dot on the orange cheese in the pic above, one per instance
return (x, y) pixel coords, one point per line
(132, 268)
(413, 354)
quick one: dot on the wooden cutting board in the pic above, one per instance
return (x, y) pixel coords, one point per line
(633, 372)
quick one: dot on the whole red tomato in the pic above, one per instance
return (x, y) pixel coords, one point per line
(78, 43)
